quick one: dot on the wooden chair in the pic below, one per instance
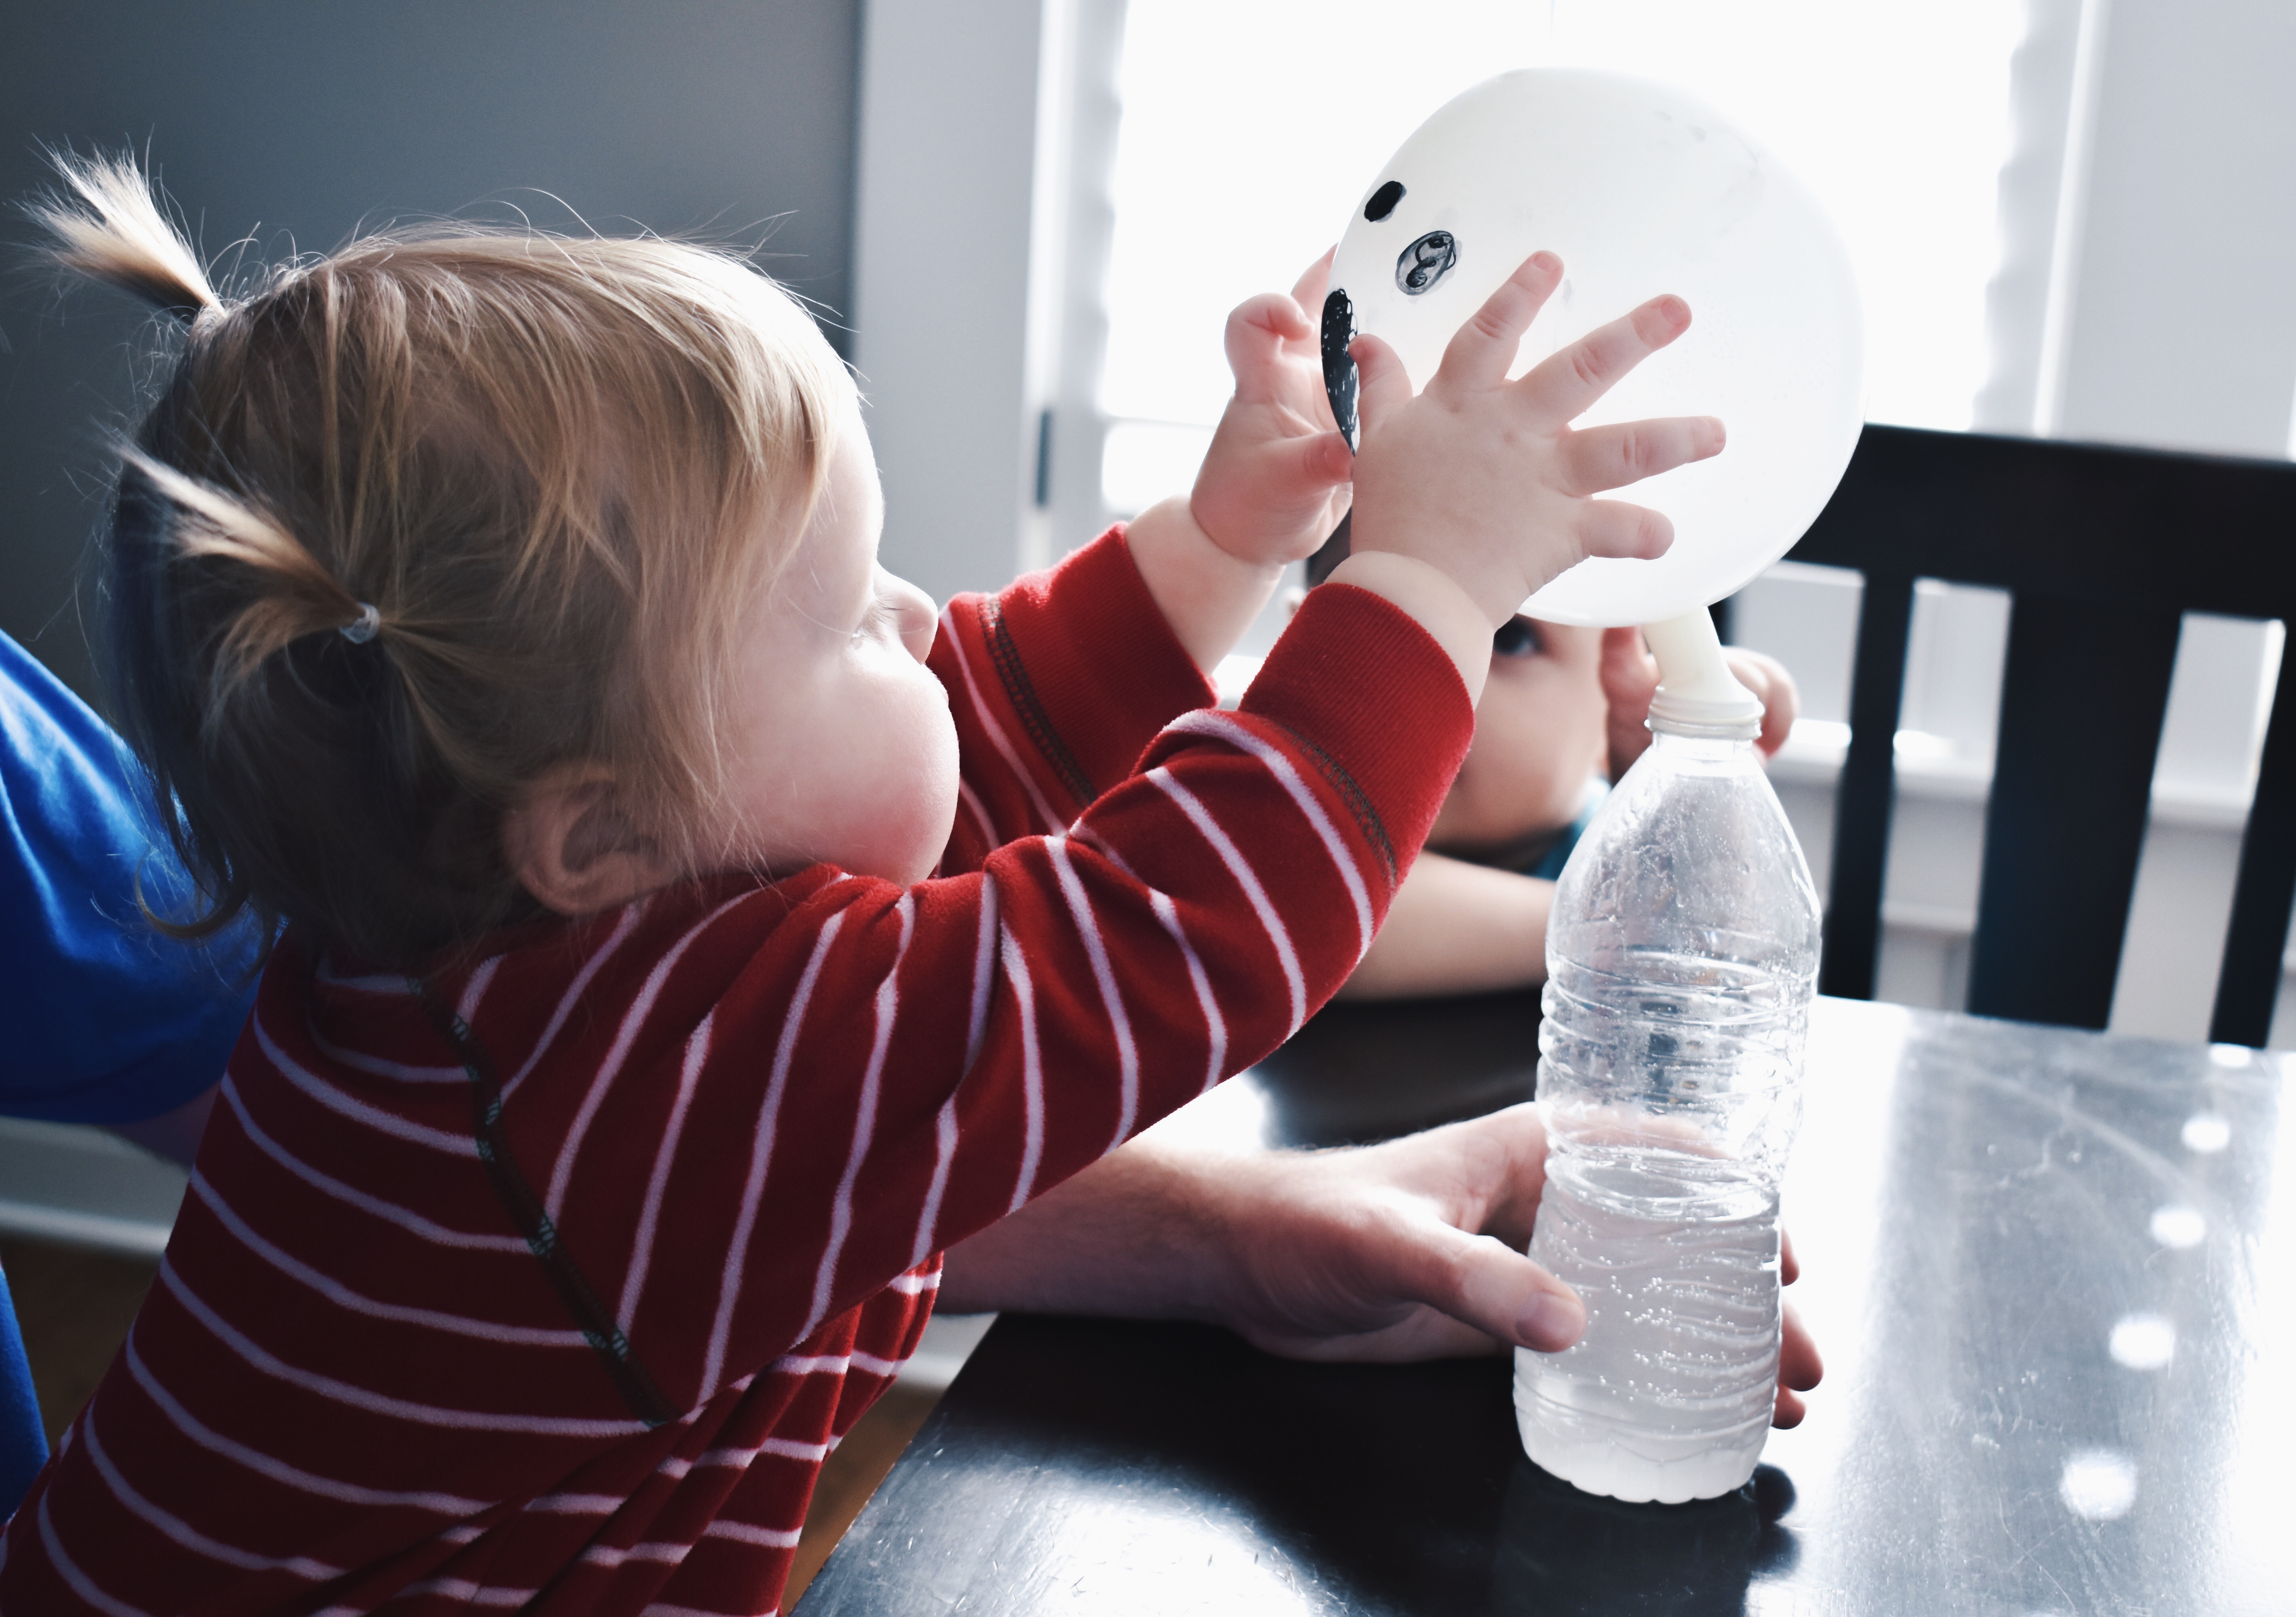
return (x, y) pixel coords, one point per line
(2102, 550)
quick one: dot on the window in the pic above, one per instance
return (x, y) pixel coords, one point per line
(1250, 128)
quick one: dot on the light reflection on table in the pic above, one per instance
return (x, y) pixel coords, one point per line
(2070, 1393)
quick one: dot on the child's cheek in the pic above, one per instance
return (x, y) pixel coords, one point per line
(925, 792)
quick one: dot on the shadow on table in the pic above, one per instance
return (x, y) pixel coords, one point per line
(1562, 1553)
(1187, 1424)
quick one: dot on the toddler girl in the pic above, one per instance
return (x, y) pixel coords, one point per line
(686, 935)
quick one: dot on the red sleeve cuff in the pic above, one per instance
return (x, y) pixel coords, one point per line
(1097, 657)
(1367, 688)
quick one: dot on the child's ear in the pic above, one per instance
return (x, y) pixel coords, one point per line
(572, 844)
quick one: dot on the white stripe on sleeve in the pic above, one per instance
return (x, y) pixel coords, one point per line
(761, 1153)
(82, 1585)
(572, 997)
(191, 1538)
(864, 1120)
(382, 1403)
(697, 1049)
(1095, 949)
(279, 1471)
(1032, 1070)
(343, 1296)
(405, 1218)
(1208, 721)
(1168, 913)
(1241, 869)
(387, 1122)
(560, 1174)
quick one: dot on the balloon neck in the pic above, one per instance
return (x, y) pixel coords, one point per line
(1696, 694)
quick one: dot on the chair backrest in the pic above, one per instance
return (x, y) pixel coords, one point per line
(2102, 550)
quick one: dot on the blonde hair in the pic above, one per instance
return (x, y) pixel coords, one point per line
(555, 469)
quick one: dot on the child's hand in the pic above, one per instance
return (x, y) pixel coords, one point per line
(1485, 480)
(1630, 679)
(1274, 482)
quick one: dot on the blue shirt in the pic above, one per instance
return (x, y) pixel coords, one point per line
(1559, 855)
(108, 1021)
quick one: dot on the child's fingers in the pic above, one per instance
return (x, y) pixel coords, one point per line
(1483, 350)
(1381, 383)
(1789, 1267)
(1600, 458)
(1257, 331)
(1612, 527)
(1308, 291)
(1563, 385)
(1322, 462)
(1768, 678)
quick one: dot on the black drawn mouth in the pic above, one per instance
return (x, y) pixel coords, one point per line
(1425, 262)
(1339, 365)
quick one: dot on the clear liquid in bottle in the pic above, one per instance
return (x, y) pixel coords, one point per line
(1682, 958)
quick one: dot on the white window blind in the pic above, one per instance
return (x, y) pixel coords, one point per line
(1249, 126)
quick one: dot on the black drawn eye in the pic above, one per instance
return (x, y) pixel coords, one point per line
(1339, 365)
(1425, 262)
(1383, 201)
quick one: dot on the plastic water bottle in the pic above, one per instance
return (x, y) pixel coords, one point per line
(1681, 958)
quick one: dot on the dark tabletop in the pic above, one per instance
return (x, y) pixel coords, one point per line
(2048, 1270)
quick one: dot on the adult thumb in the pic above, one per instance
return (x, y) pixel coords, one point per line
(1486, 1283)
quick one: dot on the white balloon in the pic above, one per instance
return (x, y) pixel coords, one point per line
(1639, 189)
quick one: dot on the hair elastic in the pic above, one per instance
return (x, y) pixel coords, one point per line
(362, 628)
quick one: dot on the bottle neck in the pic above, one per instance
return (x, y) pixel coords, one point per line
(1701, 752)
(1697, 695)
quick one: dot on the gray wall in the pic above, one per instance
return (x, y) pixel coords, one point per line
(294, 122)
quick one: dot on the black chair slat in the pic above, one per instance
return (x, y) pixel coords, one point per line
(2082, 521)
(2248, 987)
(2083, 694)
(2102, 547)
(1861, 810)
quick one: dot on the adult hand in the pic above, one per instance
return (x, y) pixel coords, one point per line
(1411, 1249)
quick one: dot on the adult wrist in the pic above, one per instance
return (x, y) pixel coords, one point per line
(1189, 1187)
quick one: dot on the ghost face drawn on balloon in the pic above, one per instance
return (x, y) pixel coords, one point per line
(1640, 189)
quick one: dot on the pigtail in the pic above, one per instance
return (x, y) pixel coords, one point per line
(302, 597)
(413, 524)
(110, 228)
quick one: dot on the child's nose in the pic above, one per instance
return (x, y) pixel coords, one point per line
(919, 618)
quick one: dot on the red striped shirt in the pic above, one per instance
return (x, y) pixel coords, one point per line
(375, 1374)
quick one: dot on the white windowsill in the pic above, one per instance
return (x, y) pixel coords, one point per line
(1929, 769)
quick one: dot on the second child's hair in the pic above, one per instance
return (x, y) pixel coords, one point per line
(416, 521)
